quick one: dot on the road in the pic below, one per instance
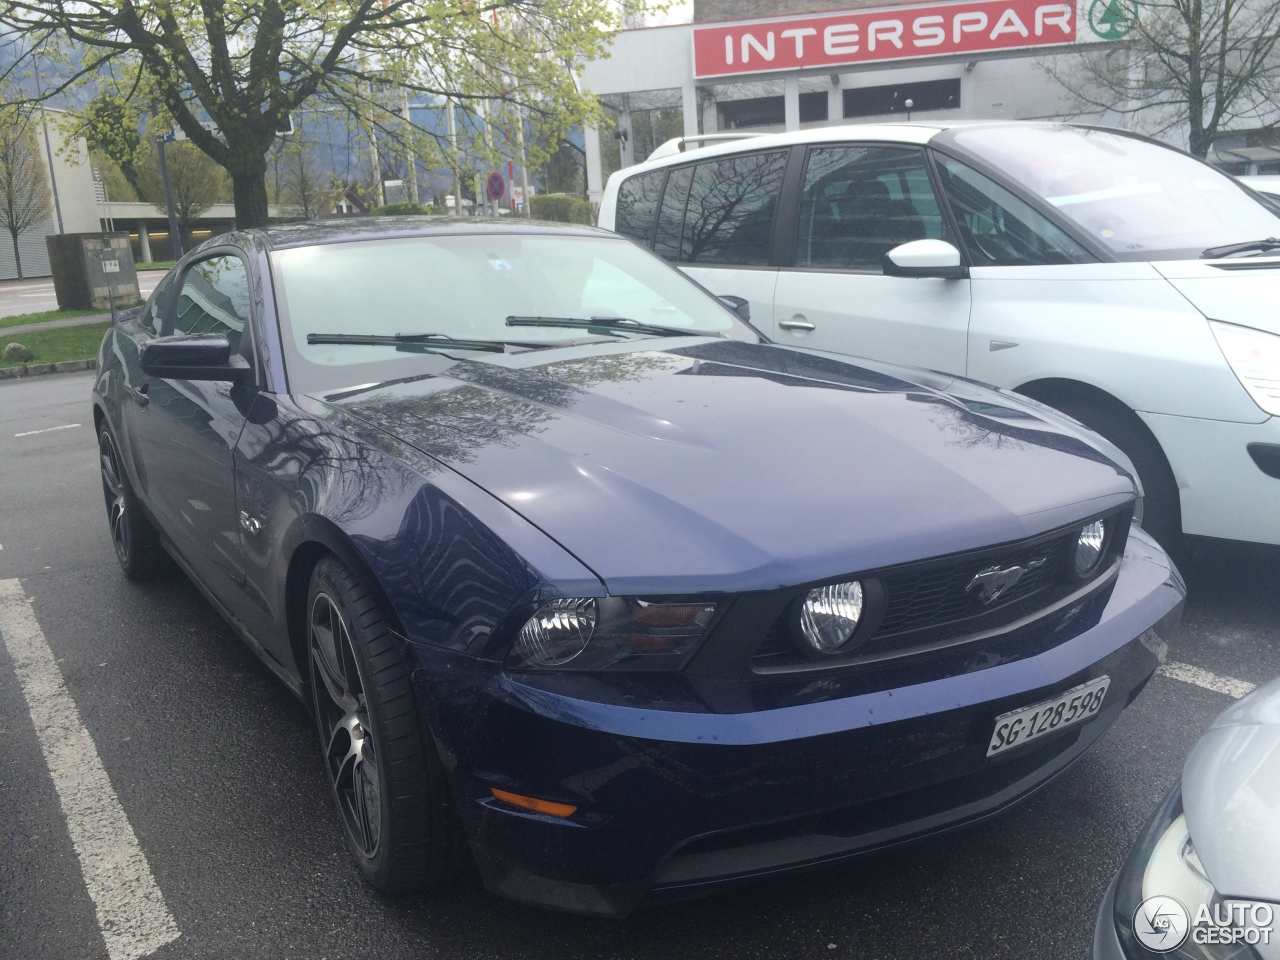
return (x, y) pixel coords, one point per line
(36, 296)
(218, 772)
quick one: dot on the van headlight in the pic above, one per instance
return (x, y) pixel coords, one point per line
(1254, 357)
(611, 633)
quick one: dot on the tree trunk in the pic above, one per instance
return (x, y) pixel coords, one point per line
(249, 189)
(17, 258)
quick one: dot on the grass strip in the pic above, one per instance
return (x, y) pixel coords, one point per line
(24, 318)
(58, 344)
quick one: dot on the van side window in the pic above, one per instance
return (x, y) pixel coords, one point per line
(671, 215)
(730, 213)
(998, 228)
(861, 202)
(637, 203)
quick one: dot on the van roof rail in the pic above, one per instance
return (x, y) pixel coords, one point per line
(677, 144)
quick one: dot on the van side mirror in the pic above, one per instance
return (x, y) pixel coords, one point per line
(196, 356)
(739, 305)
(925, 258)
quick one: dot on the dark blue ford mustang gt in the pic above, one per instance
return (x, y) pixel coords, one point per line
(582, 577)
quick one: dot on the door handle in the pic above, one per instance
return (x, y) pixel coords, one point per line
(139, 394)
(797, 322)
(251, 525)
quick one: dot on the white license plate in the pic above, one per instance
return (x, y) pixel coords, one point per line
(1017, 727)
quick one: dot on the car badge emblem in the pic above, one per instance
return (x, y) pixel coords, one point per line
(993, 582)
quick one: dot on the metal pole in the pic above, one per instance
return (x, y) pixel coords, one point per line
(453, 159)
(524, 170)
(44, 124)
(378, 198)
(175, 238)
(410, 160)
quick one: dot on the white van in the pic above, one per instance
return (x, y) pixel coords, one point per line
(1123, 282)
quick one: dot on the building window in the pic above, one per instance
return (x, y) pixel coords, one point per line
(758, 112)
(813, 107)
(878, 101)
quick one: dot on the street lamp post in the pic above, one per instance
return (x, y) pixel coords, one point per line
(175, 238)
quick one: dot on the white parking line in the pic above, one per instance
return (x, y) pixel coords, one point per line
(1203, 678)
(132, 914)
(32, 433)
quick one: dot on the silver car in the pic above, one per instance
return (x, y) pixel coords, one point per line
(1203, 881)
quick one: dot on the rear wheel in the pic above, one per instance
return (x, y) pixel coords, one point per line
(1162, 506)
(136, 541)
(387, 781)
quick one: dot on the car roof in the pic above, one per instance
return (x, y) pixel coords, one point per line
(912, 133)
(345, 230)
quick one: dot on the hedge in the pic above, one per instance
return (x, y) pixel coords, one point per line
(561, 207)
(407, 208)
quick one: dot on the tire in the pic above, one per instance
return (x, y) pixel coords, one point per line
(136, 541)
(387, 781)
(1162, 506)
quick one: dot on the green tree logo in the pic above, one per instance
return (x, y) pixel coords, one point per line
(1112, 19)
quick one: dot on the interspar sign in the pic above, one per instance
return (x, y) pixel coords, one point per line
(870, 36)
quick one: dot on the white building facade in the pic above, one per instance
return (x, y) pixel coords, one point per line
(808, 65)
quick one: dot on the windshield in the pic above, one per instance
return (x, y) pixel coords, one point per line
(466, 287)
(1141, 200)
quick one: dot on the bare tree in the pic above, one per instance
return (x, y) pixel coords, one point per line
(1204, 66)
(25, 200)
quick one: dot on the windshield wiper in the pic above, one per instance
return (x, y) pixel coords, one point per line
(436, 341)
(1252, 246)
(606, 324)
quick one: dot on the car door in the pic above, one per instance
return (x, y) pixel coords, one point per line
(716, 222)
(857, 202)
(1028, 275)
(187, 430)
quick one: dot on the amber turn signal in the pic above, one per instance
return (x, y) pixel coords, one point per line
(548, 807)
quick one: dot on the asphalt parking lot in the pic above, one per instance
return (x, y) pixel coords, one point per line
(36, 296)
(216, 768)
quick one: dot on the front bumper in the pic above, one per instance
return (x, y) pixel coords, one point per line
(1224, 491)
(672, 802)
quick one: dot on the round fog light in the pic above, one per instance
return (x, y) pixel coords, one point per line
(1089, 547)
(829, 615)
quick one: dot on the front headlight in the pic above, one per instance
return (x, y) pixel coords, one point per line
(1254, 357)
(610, 633)
(828, 617)
(1091, 545)
(1163, 890)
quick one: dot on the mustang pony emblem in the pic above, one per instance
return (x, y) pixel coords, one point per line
(992, 582)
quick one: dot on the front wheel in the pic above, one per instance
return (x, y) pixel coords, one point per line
(136, 542)
(388, 783)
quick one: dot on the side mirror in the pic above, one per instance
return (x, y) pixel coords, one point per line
(197, 356)
(739, 305)
(925, 258)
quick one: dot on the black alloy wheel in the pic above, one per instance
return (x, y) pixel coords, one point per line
(136, 542)
(397, 817)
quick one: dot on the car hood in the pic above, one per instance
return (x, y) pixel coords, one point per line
(1244, 291)
(723, 465)
(1231, 797)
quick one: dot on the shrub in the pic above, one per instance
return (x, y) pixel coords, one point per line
(560, 207)
(405, 209)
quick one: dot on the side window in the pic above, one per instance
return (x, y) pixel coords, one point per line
(671, 215)
(637, 203)
(1000, 229)
(214, 299)
(861, 202)
(152, 318)
(730, 213)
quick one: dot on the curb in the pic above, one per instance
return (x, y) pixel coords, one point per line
(39, 369)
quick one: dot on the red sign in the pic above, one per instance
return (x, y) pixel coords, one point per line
(870, 36)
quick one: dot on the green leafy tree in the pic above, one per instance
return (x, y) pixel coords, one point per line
(1196, 66)
(246, 66)
(25, 200)
(196, 180)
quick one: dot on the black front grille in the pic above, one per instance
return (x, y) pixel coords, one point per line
(936, 601)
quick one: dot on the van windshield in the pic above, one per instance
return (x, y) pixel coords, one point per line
(1141, 200)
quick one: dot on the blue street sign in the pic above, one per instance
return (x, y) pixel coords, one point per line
(495, 186)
